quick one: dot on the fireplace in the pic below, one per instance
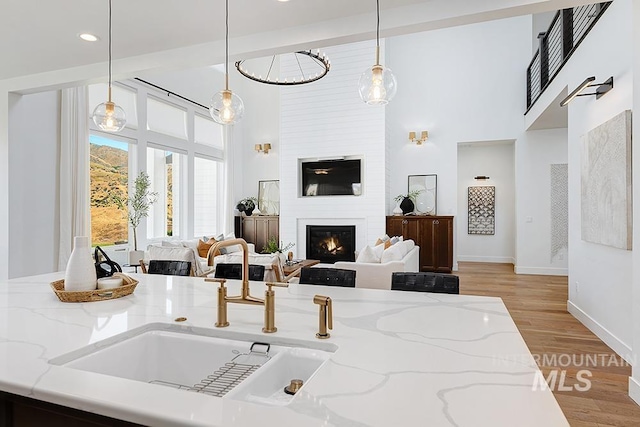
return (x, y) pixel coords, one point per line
(331, 243)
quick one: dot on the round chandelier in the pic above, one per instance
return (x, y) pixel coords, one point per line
(296, 68)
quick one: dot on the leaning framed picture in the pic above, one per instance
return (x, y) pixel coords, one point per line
(269, 197)
(427, 188)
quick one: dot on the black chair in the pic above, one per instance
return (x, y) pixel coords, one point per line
(426, 282)
(169, 268)
(328, 277)
(234, 271)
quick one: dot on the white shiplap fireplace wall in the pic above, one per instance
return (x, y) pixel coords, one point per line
(326, 119)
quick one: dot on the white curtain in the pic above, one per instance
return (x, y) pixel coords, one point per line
(228, 183)
(75, 198)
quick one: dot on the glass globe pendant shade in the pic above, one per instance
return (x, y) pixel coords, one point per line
(226, 107)
(109, 117)
(377, 85)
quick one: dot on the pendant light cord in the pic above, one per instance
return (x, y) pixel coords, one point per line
(377, 24)
(109, 50)
(226, 38)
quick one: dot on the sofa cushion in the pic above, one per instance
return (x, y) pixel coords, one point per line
(409, 245)
(394, 253)
(171, 244)
(367, 255)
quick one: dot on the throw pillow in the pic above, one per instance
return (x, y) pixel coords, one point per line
(367, 255)
(395, 239)
(203, 247)
(394, 253)
(382, 239)
(409, 245)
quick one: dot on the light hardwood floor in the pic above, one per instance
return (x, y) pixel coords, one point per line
(538, 305)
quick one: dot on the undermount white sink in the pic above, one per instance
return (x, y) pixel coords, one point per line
(237, 366)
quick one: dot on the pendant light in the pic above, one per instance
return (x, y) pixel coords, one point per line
(377, 84)
(226, 107)
(108, 116)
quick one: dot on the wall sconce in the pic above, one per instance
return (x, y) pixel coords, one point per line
(481, 178)
(263, 148)
(602, 88)
(423, 138)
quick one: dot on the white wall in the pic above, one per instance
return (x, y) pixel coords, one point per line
(34, 133)
(495, 160)
(328, 119)
(461, 84)
(634, 381)
(600, 277)
(260, 124)
(535, 152)
(4, 181)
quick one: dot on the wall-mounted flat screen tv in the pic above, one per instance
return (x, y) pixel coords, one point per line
(331, 178)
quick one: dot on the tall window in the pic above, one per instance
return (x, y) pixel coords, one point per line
(164, 168)
(109, 174)
(181, 149)
(205, 197)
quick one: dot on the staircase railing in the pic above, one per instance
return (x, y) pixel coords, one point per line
(567, 30)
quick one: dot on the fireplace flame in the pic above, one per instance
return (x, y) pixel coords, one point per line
(331, 245)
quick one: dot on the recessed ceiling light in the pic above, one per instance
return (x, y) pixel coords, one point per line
(88, 37)
(283, 1)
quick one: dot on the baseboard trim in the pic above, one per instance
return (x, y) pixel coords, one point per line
(634, 389)
(541, 271)
(490, 259)
(601, 332)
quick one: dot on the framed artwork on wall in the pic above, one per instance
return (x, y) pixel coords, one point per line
(482, 210)
(269, 197)
(427, 199)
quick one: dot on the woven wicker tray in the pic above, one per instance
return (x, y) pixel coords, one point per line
(127, 288)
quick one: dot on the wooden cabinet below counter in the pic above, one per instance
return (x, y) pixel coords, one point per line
(434, 235)
(258, 229)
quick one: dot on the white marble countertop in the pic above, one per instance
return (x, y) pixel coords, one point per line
(403, 358)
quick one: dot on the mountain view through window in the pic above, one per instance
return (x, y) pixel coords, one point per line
(109, 174)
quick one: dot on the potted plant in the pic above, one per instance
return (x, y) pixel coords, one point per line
(273, 247)
(406, 202)
(137, 207)
(247, 205)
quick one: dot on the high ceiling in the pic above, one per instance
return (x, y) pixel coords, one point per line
(38, 36)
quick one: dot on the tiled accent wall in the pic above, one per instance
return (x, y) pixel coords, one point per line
(327, 119)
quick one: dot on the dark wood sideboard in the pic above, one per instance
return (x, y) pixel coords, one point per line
(434, 235)
(258, 229)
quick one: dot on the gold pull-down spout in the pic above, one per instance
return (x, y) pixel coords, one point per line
(325, 316)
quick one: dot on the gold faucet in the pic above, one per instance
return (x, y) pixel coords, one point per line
(244, 297)
(270, 307)
(326, 316)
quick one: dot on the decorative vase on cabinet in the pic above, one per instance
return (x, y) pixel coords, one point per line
(407, 205)
(80, 274)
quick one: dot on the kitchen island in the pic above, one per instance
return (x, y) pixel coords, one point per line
(401, 358)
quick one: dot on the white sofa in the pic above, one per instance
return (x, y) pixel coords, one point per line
(167, 250)
(378, 275)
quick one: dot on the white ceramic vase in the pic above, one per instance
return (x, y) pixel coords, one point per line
(80, 274)
(397, 211)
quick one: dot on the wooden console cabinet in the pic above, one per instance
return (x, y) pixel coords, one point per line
(258, 229)
(434, 235)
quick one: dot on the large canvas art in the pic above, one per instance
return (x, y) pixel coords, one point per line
(606, 183)
(482, 210)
